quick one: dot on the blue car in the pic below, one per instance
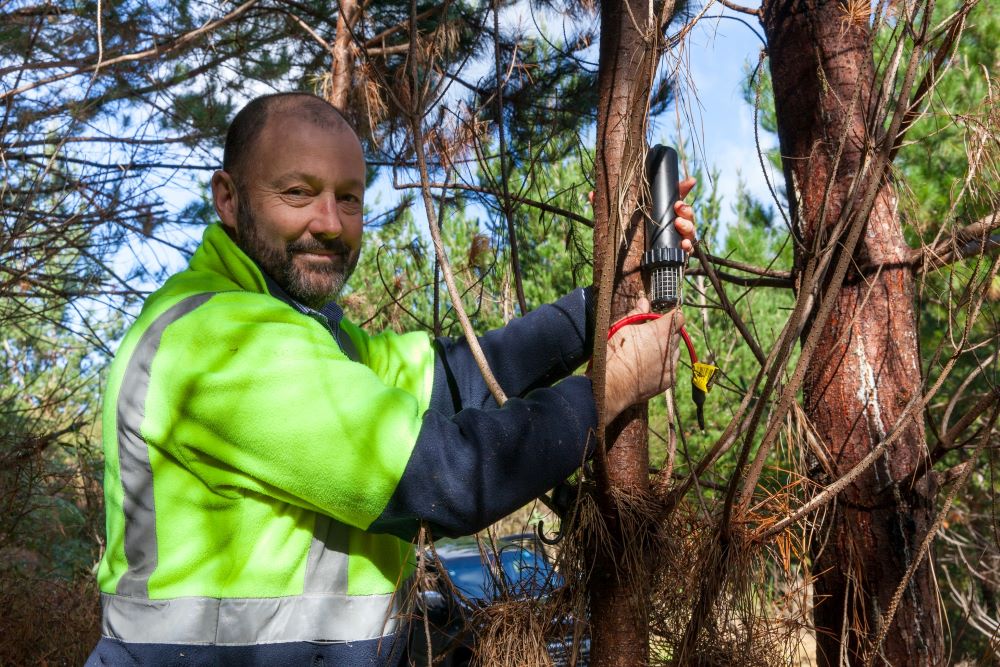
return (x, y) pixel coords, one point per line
(515, 568)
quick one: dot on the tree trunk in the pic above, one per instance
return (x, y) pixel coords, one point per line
(619, 587)
(342, 69)
(866, 367)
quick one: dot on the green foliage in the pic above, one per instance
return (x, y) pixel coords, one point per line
(50, 463)
(393, 286)
(948, 171)
(753, 239)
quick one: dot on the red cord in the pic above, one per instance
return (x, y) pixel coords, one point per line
(646, 317)
(631, 319)
(690, 346)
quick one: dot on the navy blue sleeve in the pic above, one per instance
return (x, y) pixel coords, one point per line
(471, 468)
(533, 351)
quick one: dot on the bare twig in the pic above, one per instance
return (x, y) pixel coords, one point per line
(730, 310)
(740, 8)
(540, 205)
(416, 115)
(508, 213)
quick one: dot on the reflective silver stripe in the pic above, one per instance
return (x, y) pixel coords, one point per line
(326, 567)
(241, 621)
(133, 455)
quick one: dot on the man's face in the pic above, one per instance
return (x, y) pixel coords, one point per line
(300, 202)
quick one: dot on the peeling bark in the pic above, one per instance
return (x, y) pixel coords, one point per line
(866, 368)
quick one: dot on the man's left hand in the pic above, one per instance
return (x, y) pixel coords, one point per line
(684, 223)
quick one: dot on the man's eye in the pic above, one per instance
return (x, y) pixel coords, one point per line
(297, 192)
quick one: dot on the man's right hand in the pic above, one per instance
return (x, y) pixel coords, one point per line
(642, 360)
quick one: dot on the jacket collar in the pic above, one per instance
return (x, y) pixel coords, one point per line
(220, 254)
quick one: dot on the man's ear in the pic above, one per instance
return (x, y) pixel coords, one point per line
(225, 198)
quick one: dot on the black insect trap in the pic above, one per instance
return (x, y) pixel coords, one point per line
(663, 260)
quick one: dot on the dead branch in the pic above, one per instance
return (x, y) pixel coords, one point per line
(958, 393)
(933, 74)
(534, 203)
(508, 213)
(987, 401)
(728, 307)
(744, 281)
(416, 126)
(975, 239)
(749, 268)
(740, 8)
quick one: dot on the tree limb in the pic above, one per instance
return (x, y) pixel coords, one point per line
(534, 203)
(975, 239)
(730, 310)
(740, 8)
(746, 281)
(749, 268)
(415, 114)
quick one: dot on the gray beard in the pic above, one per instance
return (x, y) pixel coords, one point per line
(278, 262)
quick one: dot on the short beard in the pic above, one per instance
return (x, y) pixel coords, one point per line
(305, 287)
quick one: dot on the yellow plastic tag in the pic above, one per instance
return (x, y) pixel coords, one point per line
(703, 375)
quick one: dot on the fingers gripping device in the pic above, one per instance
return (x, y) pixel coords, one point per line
(663, 262)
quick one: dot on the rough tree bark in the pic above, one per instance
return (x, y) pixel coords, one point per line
(344, 58)
(866, 368)
(619, 587)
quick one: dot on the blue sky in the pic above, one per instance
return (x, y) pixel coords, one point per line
(719, 53)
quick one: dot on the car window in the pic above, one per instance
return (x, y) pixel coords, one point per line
(468, 575)
(525, 573)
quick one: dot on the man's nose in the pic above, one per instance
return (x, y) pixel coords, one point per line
(326, 221)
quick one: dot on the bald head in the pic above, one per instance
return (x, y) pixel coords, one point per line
(250, 122)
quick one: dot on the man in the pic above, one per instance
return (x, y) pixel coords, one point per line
(269, 463)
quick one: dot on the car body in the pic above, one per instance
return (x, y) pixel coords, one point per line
(516, 567)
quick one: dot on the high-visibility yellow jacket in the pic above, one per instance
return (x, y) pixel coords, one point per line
(268, 465)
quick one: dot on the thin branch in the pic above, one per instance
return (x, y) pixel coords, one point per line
(758, 353)
(749, 268)
(508, 212)
(975, 239)
(744, 281)
(449, 278)
(377, 39)
(958, 393)
(312, 33)
(931, 78)
(988, 400)
(534, 203)
(740, 8)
